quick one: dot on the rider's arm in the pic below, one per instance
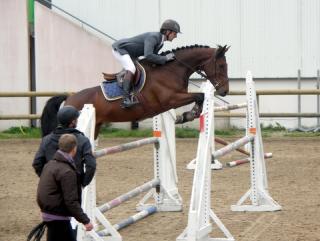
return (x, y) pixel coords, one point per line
(149, 45)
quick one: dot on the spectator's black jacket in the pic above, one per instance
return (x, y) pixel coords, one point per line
(83, 158)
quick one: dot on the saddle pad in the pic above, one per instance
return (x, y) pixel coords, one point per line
(112, 91)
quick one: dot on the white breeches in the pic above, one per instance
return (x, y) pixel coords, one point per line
(125, 60)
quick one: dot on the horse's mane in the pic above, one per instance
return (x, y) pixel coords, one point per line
(184, 48)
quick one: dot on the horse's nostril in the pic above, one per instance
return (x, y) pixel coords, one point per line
(223, 93)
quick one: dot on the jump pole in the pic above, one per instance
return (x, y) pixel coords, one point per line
(260, 199)
(162, 189)
(215, 163)
(241, 150)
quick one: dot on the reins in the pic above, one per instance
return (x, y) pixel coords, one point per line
(198, 70)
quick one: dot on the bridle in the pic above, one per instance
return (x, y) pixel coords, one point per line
(199, 70)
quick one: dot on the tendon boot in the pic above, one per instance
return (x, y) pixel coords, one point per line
(127, 101)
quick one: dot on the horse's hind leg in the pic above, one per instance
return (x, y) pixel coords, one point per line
(194, 112)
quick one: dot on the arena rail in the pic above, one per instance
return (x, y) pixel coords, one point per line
(222, 114)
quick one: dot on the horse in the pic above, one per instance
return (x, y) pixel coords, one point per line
(166, 87)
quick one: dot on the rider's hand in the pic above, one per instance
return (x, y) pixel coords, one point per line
(170, 57)
(88, 226)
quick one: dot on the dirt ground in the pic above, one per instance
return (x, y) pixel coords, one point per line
(293, 175)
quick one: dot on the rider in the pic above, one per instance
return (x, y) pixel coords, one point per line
(147, 44)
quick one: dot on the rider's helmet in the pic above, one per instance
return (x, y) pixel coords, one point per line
(171, 25)
(67, 114)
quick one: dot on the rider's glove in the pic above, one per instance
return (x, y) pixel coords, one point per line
(170, 57)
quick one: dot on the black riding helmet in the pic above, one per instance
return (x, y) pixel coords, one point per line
(171, 25)
(67, 114)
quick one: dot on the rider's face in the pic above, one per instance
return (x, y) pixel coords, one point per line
(172, 35)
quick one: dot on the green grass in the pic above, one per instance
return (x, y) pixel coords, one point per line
(20, 132)
(109, 132)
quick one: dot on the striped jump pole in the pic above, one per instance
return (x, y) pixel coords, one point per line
(230, 107)
(233, 146)
(132, 219)
(241, 150)
(125, 197)
(246, 160)
(237, 162)
(125, 147)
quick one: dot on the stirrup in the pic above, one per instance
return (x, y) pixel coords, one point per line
(127, 103)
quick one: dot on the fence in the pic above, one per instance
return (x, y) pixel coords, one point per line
(259, 93)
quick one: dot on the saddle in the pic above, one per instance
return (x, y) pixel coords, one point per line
(120, 75)
(112, 85)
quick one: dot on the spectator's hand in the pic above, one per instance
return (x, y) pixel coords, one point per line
(88, 226)
(170, 57)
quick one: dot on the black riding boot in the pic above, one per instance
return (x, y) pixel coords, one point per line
(127, 101)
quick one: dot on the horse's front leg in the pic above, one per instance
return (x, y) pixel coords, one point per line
(194, 112)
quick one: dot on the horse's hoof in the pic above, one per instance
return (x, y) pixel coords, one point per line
(179, 119)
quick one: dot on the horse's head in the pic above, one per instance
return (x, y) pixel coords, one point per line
(211, 61)
(216, 69)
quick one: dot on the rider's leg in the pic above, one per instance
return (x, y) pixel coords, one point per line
(127, 80)
(127, 63)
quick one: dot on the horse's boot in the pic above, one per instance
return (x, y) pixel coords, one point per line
(127, 101)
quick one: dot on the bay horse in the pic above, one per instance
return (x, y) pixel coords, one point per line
(166, 87)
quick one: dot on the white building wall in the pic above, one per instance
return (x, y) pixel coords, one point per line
(272, 38)
(310, 37)
(14, 60)
(67, 57)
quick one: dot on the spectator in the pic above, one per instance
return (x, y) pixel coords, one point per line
(84, 159)
(59, 194)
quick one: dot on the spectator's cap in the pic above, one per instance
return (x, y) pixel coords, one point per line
(67, 114)
(171, 25)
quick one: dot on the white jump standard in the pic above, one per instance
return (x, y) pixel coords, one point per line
(200, 213)
(260, 199)
(201, 217)
(163, 188)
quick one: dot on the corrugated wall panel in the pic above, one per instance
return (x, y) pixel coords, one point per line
(270, 37)
(310, 37)
(118, 19)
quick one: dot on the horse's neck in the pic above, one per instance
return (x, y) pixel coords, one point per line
(190, 61)
(194, 57)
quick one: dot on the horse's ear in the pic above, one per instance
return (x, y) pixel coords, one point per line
(221, 51)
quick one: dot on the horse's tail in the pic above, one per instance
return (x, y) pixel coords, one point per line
(48, 118)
